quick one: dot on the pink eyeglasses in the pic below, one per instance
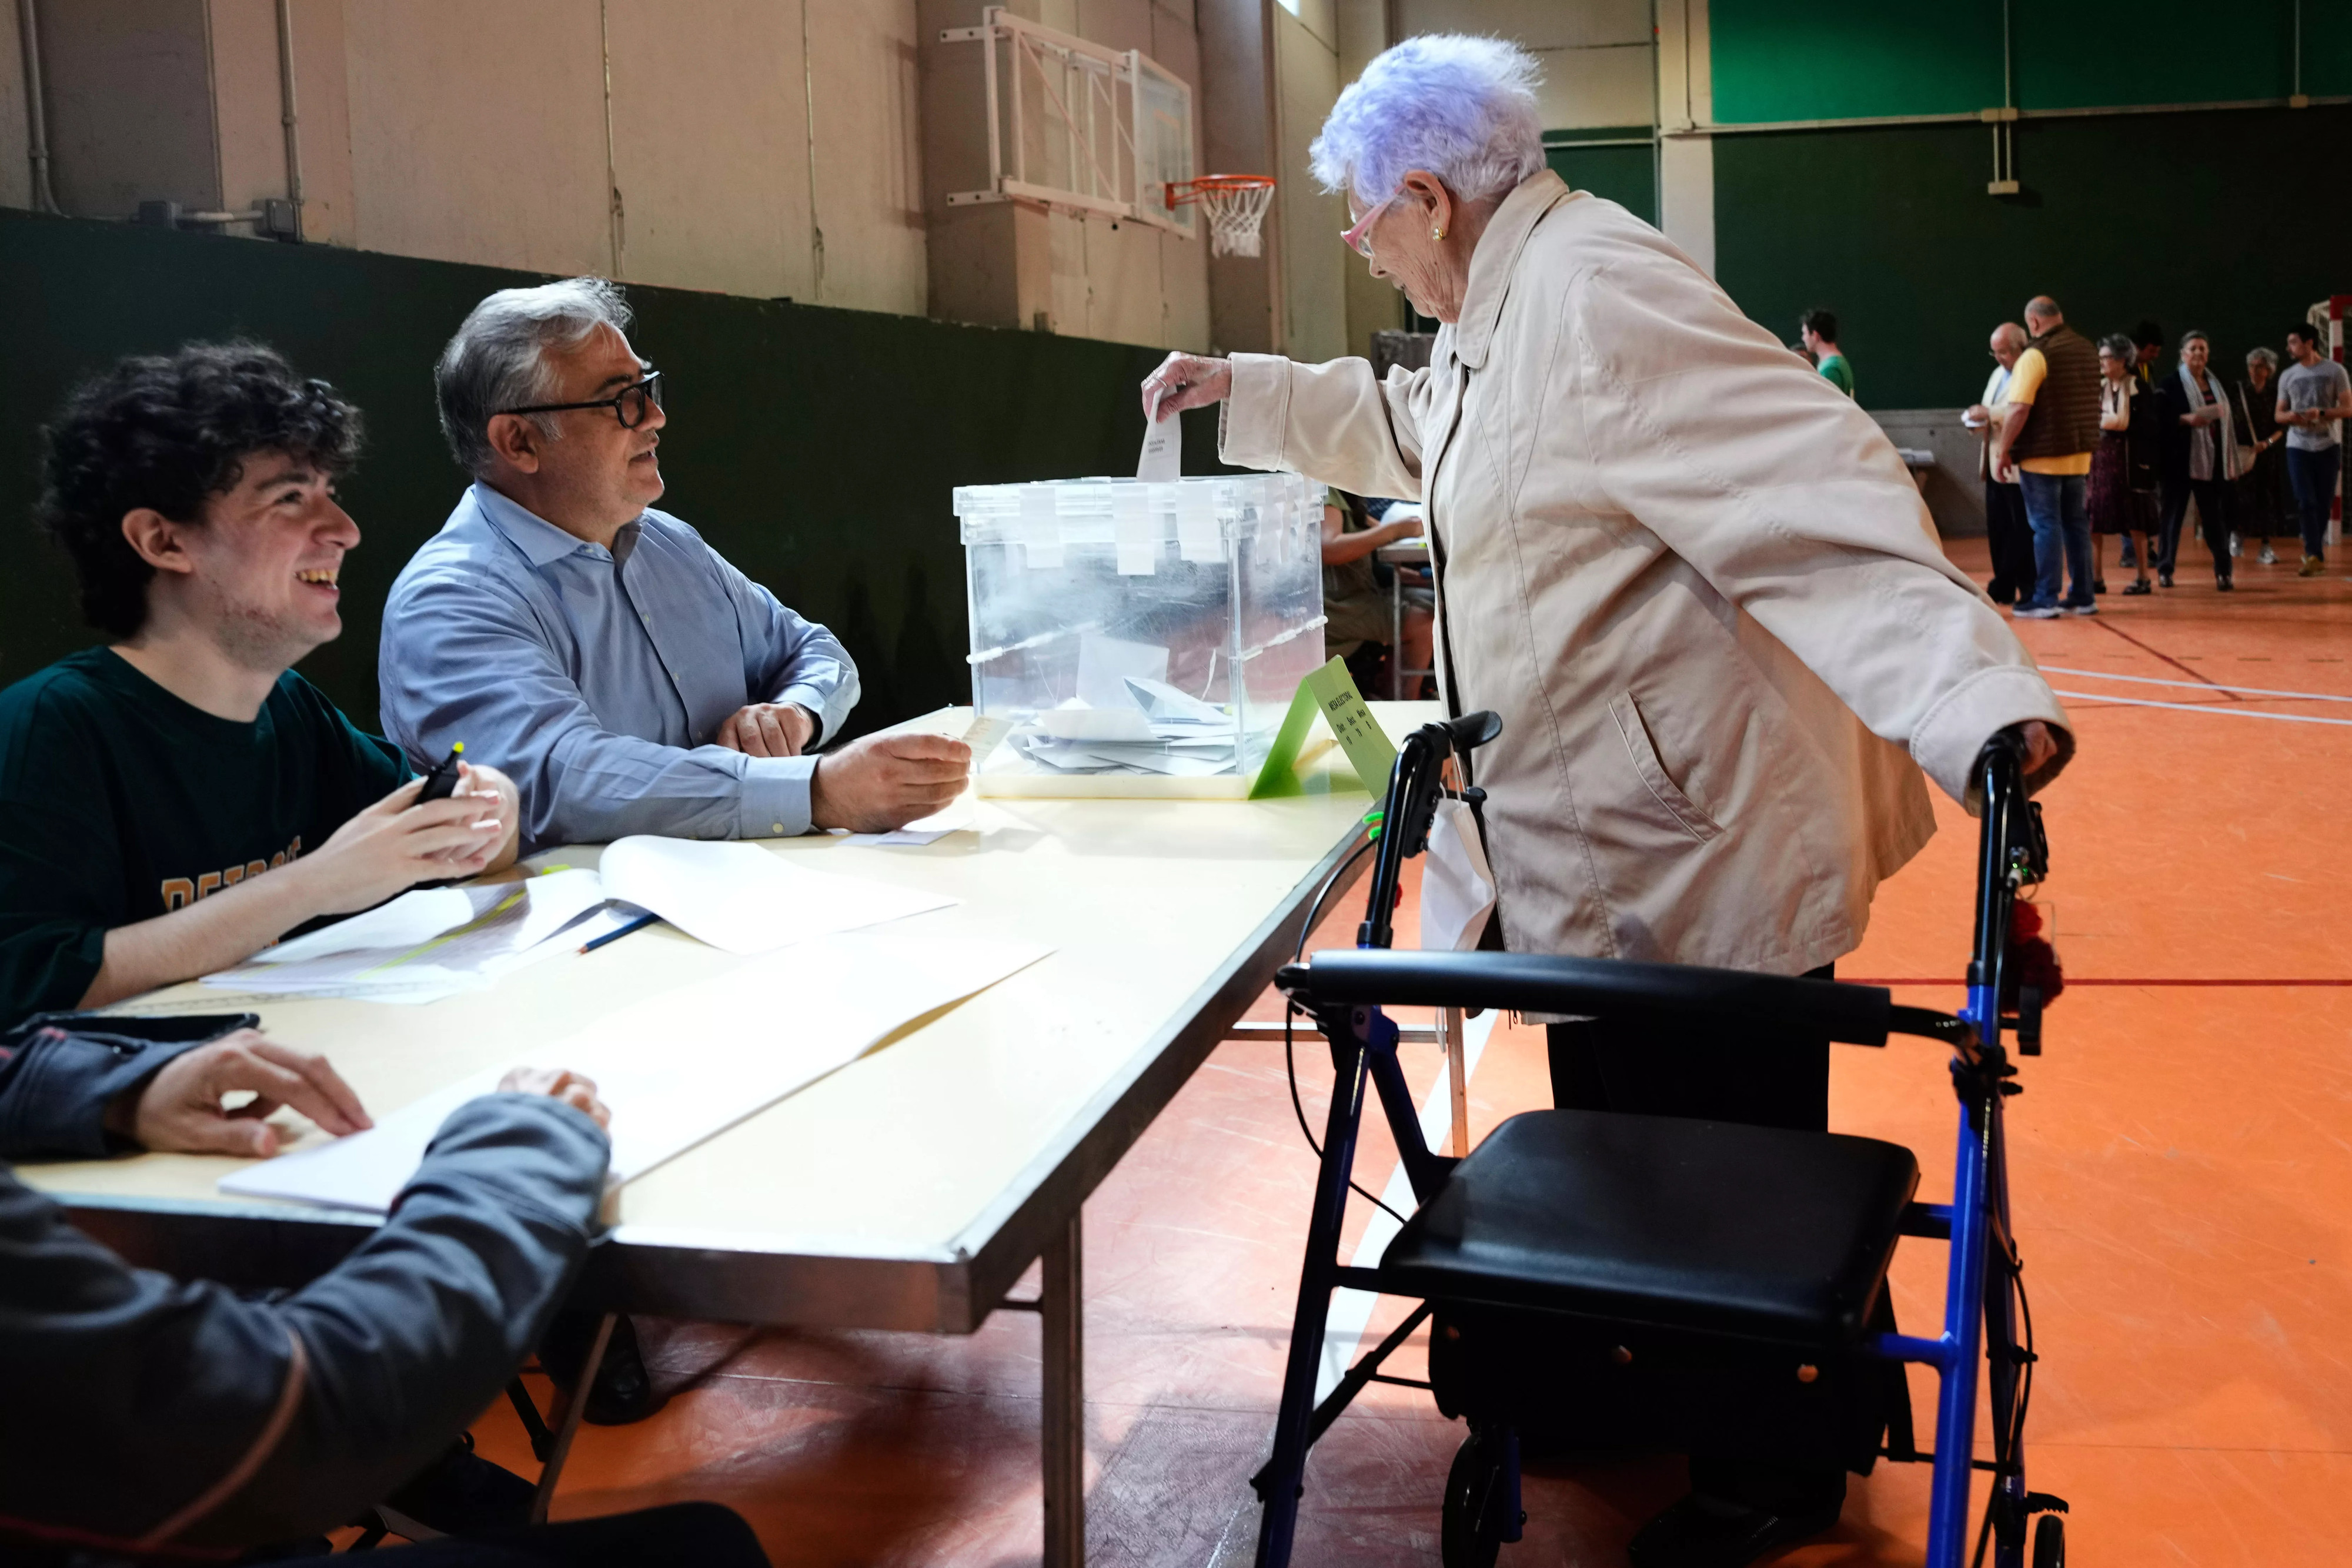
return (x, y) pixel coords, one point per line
(1359, 239)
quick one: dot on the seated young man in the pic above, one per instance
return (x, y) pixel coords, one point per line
(158, 1419)
(177, 799)
(633, 679)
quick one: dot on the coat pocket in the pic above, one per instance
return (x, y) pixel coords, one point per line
(1679, 806)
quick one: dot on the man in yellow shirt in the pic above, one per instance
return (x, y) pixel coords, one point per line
(2049, 426)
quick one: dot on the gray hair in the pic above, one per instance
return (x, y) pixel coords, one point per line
(1462, 108)
(2267, 358)
(498, 360)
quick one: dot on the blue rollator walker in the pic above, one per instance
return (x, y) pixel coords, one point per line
(1668, 1283)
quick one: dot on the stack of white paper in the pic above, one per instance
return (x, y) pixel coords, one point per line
(425, 945)
(678, 1069)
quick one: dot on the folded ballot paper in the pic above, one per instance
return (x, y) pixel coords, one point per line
(681, 1068)
(436, 942)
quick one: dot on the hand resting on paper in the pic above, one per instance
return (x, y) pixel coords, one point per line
(883, 782)
(557, 1083)
(766, 729)
(179, 1109)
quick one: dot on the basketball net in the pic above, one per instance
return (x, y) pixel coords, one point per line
(1235, 204)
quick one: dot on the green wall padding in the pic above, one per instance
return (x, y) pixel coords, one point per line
(1626, 176)
(2191, 219)
(1835, 59)
(814, 448)
(1831, 60)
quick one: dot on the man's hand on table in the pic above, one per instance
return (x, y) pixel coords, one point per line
(767, 729)
(883, 782)
(557, 1083)
(179, 1109)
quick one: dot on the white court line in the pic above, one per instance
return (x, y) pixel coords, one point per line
(2223, 708)
(1343, 1329)
(2198, 685)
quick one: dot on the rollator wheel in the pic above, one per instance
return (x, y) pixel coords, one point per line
(2050, 1542)
(1464, 1540)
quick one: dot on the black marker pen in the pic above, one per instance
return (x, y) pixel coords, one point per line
(442, 782)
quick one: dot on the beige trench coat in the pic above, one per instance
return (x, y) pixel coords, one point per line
(1693, 577)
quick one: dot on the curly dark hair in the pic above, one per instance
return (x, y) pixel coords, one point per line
(167, 431)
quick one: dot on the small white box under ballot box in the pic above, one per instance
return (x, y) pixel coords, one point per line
(1140, 638)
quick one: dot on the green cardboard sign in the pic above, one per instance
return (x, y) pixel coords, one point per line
(1331, 692)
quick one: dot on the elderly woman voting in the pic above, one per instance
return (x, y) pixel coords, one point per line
(1691, 575)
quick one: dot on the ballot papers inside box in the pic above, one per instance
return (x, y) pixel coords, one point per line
(1141, 638)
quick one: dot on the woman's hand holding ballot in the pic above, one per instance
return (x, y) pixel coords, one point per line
(1185, 382)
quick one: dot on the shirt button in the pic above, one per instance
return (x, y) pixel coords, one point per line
(775, 827)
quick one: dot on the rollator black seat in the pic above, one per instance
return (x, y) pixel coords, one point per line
(1710, 1226)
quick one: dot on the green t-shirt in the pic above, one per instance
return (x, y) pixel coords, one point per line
(119, 802)
(1839, 373)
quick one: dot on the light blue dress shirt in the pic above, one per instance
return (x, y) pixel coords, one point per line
(596, 678)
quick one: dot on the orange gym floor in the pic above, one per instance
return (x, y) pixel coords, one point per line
(2183, 1185)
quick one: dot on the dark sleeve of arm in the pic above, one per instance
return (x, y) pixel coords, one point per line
(360, 769)
(61, 874)
(411, 1336)
(142, 1408)
(58, 1072)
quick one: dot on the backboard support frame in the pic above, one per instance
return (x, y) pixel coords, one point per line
(1097, 121)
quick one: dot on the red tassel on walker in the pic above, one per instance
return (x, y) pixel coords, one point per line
(2033, 961)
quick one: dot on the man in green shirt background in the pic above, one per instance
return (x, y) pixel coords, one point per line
(1819, 329)
(176, 800)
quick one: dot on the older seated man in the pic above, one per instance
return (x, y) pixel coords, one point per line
(633, 681)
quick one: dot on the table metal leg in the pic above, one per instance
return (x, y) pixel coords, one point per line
(1396, 635)
(1457, 1050)
(568, 1408)
(1063, 1419)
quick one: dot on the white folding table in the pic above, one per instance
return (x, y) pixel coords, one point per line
(908, 1191)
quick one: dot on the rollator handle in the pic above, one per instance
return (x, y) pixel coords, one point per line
(1735, 1000)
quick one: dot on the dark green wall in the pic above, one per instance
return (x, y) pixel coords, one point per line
(1827, 60)
(1626, 176)
(2198, 219)
(814, 448)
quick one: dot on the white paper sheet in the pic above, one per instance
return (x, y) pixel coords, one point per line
(1106, 665)
(423, 946)
(681, 1068)
(1163, 450)
(744, 899)
(1125, 722)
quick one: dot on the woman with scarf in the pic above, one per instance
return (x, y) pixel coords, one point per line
(2199, 452)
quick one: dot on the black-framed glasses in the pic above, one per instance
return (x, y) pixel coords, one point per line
(632, 405)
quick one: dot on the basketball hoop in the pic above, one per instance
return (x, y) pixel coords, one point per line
(1236, 206)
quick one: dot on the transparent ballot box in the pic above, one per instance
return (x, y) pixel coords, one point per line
(1140, 638)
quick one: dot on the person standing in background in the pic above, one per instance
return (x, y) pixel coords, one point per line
(1818, 329)
(2006, 532)
(2049, 426)
(2315, 398)
(2259, 509)
(2198, 450)
(2115, 504)
(2147, 339)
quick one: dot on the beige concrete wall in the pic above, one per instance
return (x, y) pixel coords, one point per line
(480, 148)
(1008, 265)
(16, 142)
(1314, 269)
(1597, 55)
